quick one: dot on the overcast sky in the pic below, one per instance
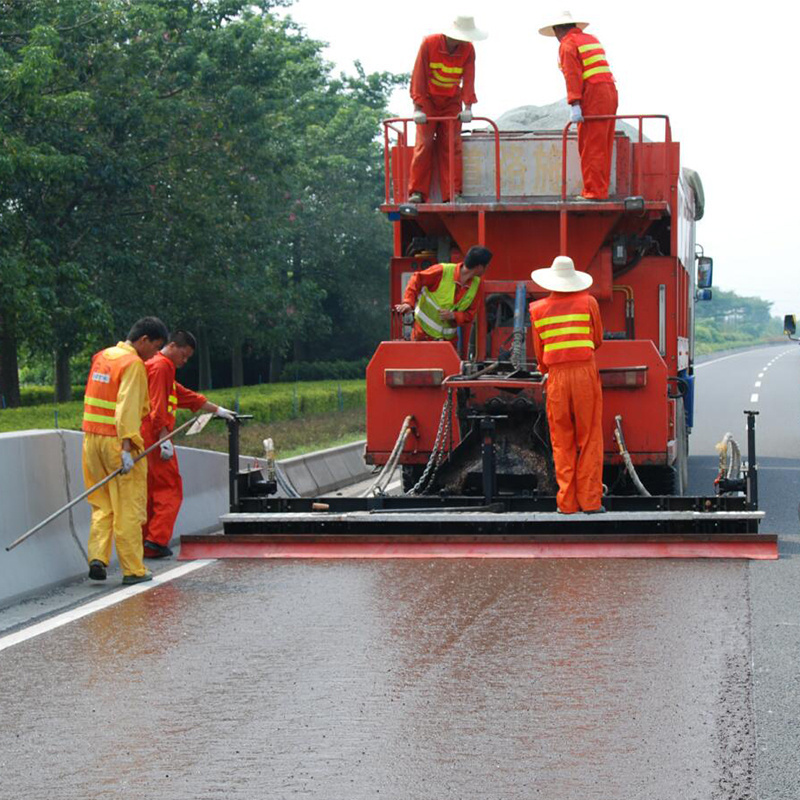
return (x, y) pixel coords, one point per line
(725, 82)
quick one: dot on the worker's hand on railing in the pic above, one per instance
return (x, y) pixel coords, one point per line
(420, 117)
(403, 308)
(167, 450)
(127, 462)
(575, 113)
(466, 115)
(447, 316)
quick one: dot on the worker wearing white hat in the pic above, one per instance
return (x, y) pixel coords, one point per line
(590, 92)
(567, 329)
(442, 85)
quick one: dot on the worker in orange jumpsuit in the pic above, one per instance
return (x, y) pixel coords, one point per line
(590, 92)
(115, 403)
(567, 329)
(442, 82)
(444, 297)
(164, 482)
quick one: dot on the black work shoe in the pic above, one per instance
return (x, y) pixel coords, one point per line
(129, 579)
(97, 570)
(601, 510)
(153, 550)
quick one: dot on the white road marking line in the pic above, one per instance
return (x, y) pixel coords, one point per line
(758, 383)
(98, 605)
(394, 485)
(760, 374)
(754, 398)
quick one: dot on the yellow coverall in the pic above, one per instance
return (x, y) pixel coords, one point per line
(119, 509)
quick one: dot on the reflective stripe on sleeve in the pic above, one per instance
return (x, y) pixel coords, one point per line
(590, 46)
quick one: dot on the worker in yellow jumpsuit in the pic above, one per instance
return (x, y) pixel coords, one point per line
(115, 403)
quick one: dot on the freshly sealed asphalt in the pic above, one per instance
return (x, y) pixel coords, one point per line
(651, 679)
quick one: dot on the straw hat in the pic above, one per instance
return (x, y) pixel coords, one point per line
(564, 19)
(561, 276)
(463, 29)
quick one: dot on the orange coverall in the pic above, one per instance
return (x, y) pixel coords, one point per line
(574, 394)
(598, 96)
(433, 138)
(430, 278)
(164, 483)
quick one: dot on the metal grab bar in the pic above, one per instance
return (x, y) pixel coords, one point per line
(400, 195)
(638, 187)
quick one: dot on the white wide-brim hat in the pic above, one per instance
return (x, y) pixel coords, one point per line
(564, 19)
(463, 29)
(561, 276)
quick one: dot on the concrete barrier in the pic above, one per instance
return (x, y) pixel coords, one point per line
(40, 471)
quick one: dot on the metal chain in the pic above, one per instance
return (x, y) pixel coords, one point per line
(437, 454)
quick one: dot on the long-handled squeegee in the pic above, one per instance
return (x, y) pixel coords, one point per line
(195, 425)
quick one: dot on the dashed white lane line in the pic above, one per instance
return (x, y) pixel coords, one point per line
(754, 398)
(760, 374)
(758, 384)
(106, 601)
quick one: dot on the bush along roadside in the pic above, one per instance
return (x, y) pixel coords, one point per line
(267, 403)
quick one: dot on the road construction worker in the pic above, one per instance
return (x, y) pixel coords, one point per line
(444, 297)
(164, 483)
(442, 85)
(590, 92)
(115, 403)
(567, 329)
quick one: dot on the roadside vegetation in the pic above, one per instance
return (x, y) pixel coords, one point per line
(298, 417)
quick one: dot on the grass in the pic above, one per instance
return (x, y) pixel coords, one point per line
(299, 417)
(291, 437)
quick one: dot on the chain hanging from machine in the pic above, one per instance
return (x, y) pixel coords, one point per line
(439, 447)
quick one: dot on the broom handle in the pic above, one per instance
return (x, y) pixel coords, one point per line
(95, 487)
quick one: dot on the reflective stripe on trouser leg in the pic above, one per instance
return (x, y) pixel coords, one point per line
(164, 497)
(596, 139)
(574, 412)
(119, 508)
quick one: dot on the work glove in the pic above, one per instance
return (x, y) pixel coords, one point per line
(575, 113)
(127, 462)
(420, 117)
(167, 450)
(223, 413)
(466, 115)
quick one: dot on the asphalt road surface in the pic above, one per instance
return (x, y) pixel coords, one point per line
(437, 679)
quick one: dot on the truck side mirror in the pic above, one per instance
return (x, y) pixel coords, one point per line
(790, 325)
(705, 269)
(702, 294)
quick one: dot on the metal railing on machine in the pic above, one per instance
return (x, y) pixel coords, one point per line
(399, 194)
(639, 162)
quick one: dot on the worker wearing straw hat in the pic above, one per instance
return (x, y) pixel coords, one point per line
(442, 82)
(590, 92)
(567, 329)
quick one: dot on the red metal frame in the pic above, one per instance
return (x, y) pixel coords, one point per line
(401, 196)
(639, 162)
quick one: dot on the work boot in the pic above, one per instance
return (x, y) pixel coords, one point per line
(154, 550)
(129, 579)
(97, 570)
(415, 197)
(601, 510)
